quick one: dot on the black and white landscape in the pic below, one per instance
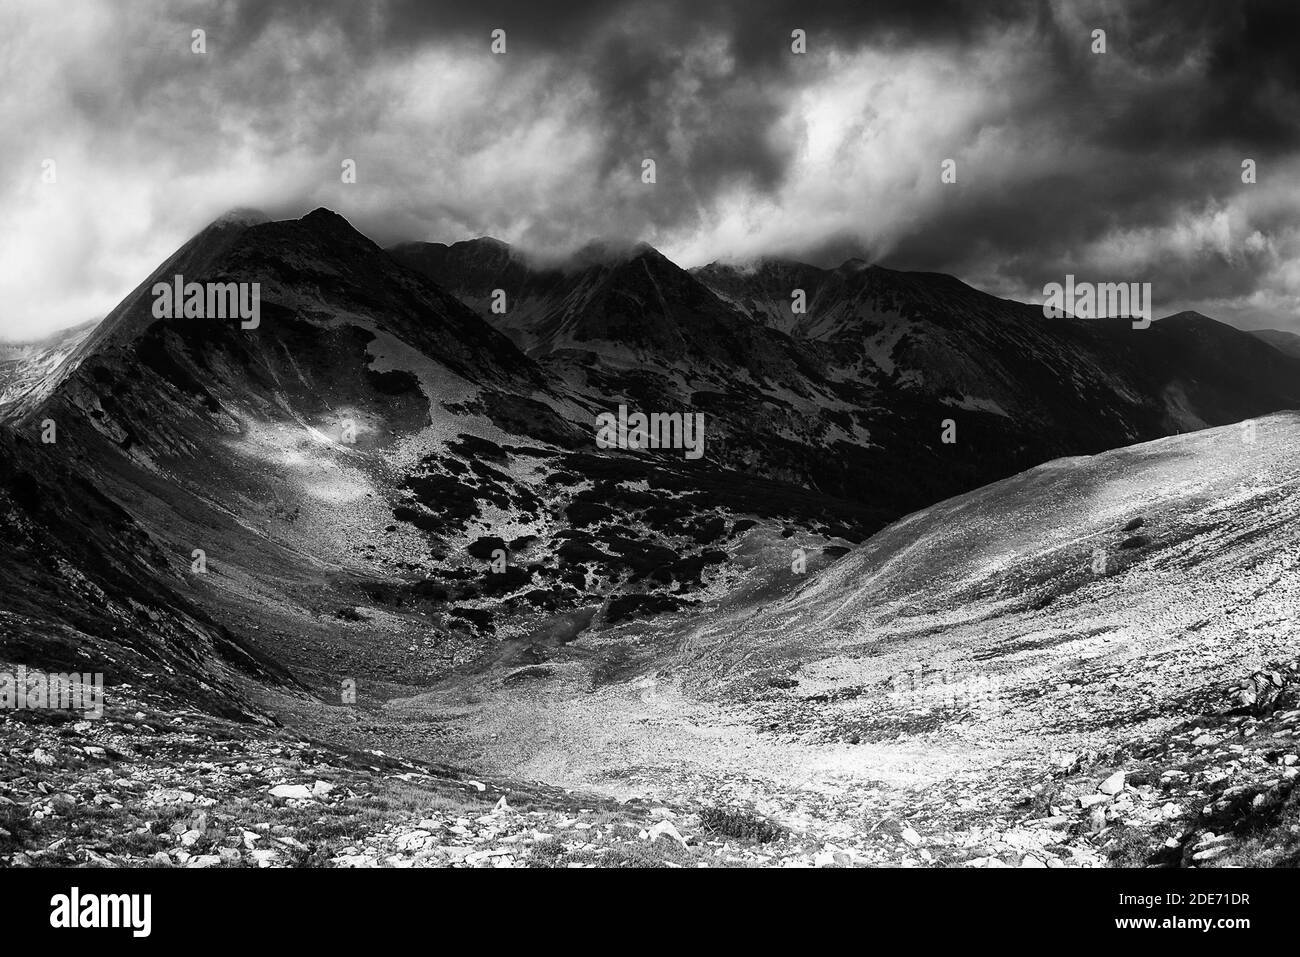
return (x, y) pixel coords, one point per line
(750, 536)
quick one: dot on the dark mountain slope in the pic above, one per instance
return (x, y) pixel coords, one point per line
(178, 425)
(627, 307)
(350, 467)
(850, 399)
(1287, 342)
(87, 589)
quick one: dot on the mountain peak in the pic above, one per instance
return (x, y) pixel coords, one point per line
(1190, 317)
(322, 215)
(485, 247)
(611, 251)
(757, 267)
(327, 224)
(241, 216)
(644, 251)
(853, 265)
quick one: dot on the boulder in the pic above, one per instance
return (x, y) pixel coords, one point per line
(1113, 784)
(295, 791)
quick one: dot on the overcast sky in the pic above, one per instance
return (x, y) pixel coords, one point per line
(1117, 166)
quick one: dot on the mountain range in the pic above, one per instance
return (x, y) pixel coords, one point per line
(394, 481)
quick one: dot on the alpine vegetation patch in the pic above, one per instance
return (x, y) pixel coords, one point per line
(1106, 300)
(212, 300)
(658, 430)
(30, 690)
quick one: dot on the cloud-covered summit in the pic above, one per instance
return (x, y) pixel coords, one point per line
(1123, 165)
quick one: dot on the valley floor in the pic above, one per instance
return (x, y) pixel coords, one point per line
(150, 784)
(971, 687)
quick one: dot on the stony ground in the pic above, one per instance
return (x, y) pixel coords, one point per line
(153, 784)
(147, 785)
(1090, 664)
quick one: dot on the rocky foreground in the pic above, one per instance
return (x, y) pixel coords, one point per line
(154, 785)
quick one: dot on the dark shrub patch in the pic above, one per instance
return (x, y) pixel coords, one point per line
(641, 557)
(524, 416)
(688, 570)
(394, 382)
(709, 531)
(582, 551)
(617, 468)
(581, 514)
(512, 579)
(484, 547)
(480, 618)
(444, 494)
(420, 518)
(474, 449)
(430, 591)
(740, 824)
(542, 598)
(639, 606)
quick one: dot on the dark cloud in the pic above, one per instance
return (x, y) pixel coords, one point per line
(639, 54)
(1067, 160)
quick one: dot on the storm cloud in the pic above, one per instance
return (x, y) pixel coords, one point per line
(1122, 165)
